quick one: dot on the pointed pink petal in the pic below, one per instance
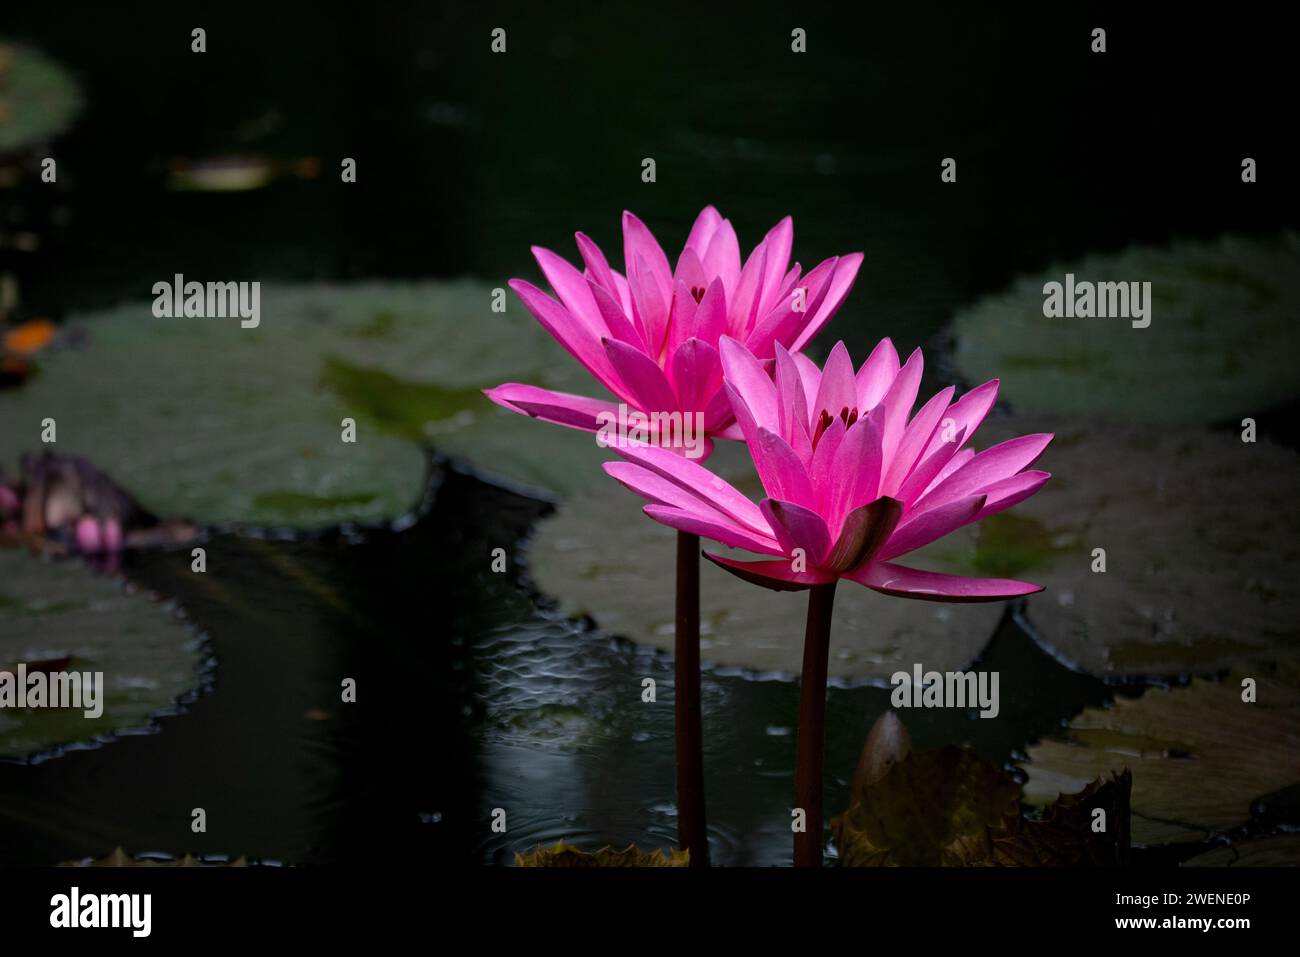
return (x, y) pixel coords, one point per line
(904, 582)
(644, 380)
(966, 413)
(700, 482)
(706, 224)
(1011, 491)
(822, 471)
(722, 258)
(916, 437)
(897, 405)
(797, 527)
(649, 305)
(926, 527)
(782, 468)
(856, 469)
(596, 263)
(846, 270)
(690, 270)
(569, 333)
(877, 375)
(711, 315)
(933, 468)
(751, 381)
(696, 374)
(778, 242)
(572, 289)
(837, 393)
(992, 465)
(574, 411)
(866, 529)
(744, 310)
(639, 244)
(777, 575)
(785, 321)
(792, 406)
(616, 321)
(728, 533)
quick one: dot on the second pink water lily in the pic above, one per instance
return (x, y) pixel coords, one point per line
(650, 335)
(853, 479)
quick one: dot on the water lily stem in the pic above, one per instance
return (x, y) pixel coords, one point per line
(691, 830)
(811, 742)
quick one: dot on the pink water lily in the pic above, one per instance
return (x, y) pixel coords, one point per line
(853, 479)
(650, 335)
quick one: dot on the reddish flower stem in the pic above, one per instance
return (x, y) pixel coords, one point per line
(812, 725)
(692, 833)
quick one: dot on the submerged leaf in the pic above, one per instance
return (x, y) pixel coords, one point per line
(566, 855)
(38, 98)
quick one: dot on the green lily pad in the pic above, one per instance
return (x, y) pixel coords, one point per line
(599, 555)
(203, 419)
(1221, 342)
(1199, 532)
(38, 99)
(1199, 755)
(52, 610)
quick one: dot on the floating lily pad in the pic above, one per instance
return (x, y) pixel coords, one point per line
(599, 555)
(38, 99)
(48, 610)
(1199, 755)
(203, 419)
(1221, 342)
(566, 855)
(1199, 531)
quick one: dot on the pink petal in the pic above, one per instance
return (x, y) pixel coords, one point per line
(596, 263)
(837, 393)
(822, 470)
(866, 529)
(644, 380)
(778, 242)
(777, 575)
(751, 382)
(916, 437)
(722, 258)
(778, 465)
(784, 322)
(926, 527)
(933, 468)
(696, 374)
(700, 482)
(797, 527)
(616, 321)
(1011, 491)
(897, 405)
(639, 244)
(711, 314)
(706, 224)
(574, 411)
(792, 405)
(904, 582)
(690, 270)
(846, 270)
(744, 307)
(573, 290)
(877, 375)
(89, 539)
(571, 334)
(966, 413)
(649, 305)
(728, 533)
(992, 465)
(856, 469)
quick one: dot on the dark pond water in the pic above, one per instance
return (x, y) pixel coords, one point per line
(478, 696)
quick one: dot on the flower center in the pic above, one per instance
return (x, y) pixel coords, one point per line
(824, 419)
